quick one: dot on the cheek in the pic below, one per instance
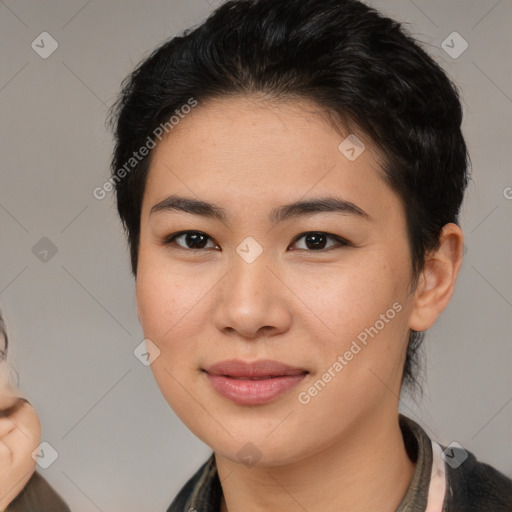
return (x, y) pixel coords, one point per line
(363, 312)
(159, 306)
(350, 297)
(172, 311)
(151, 297)
(167, 320)
(160, 292)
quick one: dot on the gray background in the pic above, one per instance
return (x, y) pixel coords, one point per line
(72, 319)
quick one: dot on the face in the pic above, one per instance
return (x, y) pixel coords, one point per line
(324, 289)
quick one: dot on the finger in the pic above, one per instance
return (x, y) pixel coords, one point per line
(13, 404)
(5, 456)
(8, 399)
(25, 423)
(8, 418)
(6, 425)
(25, 435)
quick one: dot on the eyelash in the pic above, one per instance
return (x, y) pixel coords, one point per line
(170, 240)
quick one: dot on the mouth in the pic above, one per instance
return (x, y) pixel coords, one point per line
(253, 383)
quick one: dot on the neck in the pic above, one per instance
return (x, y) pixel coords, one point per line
(366, 469)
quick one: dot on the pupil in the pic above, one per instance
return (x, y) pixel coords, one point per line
(313, 240)
(194, 240)
(318, 241)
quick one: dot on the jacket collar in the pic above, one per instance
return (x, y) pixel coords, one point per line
(203, 492)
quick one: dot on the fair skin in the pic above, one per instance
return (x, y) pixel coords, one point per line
(20, 434)
(296, 304)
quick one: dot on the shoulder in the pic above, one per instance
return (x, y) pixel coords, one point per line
(474, 486)
(38, 495)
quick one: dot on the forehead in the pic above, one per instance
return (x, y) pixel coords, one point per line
(253, 126)
(251, 150)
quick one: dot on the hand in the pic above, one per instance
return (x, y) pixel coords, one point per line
(20, 434)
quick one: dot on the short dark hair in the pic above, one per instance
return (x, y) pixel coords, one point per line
(4, 342)
(358, 65)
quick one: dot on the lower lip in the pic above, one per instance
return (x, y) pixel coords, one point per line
(253, 392)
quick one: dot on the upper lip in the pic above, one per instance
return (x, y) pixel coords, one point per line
(261, 368)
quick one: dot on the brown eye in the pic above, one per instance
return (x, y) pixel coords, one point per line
(317, 240)
(189, 239)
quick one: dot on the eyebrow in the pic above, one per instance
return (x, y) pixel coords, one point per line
(329, 204)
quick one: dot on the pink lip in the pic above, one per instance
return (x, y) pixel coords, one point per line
(253, 383)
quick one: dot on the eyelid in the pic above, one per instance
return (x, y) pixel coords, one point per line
(169, 240)
(341, 242)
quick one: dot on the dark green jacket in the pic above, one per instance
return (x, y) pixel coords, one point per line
(471, 486)
(37, 496)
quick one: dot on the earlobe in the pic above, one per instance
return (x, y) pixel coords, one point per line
(437, 280)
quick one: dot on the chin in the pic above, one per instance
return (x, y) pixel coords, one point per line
(261, 451)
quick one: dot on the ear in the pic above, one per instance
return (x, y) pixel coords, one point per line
(437, 280)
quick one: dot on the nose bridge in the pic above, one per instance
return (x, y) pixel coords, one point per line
(250, 276)
(251, 294)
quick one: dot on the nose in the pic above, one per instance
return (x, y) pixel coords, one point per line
(253, 301)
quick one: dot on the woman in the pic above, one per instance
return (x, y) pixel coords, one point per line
(21, 488)
(289, 175)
